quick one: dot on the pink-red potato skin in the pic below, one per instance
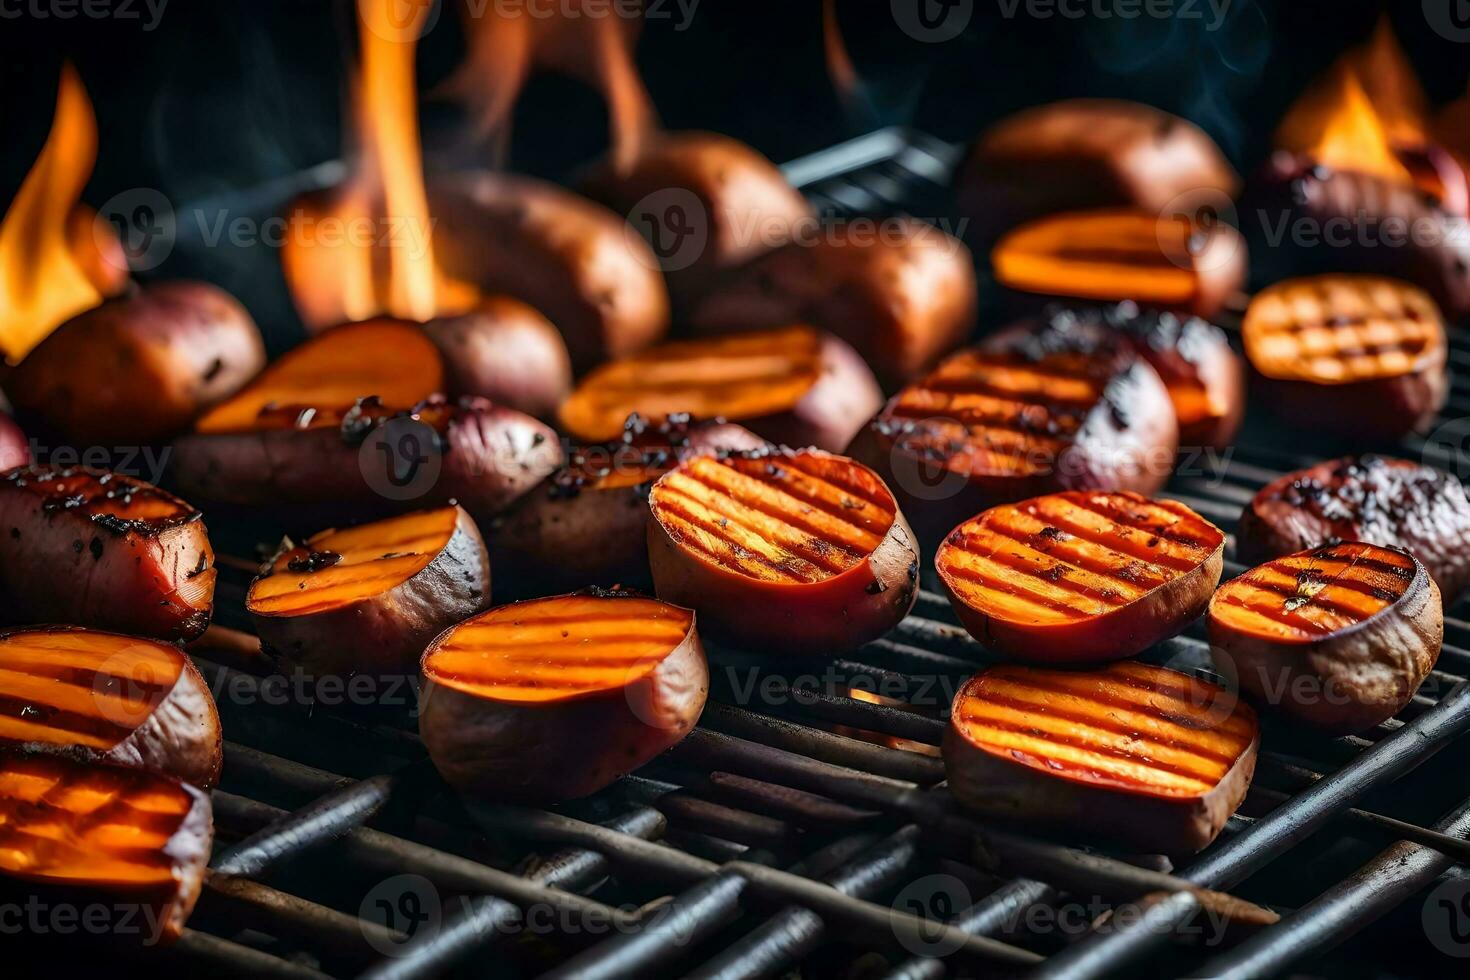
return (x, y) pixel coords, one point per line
(745, 205)
(1376, 410)
(1350, 680)
(60, 565)
(903, 295)
(15, 449)
(180, 738)
(384, 635)
(845, 396)
(564, 750)
(507, 352)
(139, 368)
(576, 262)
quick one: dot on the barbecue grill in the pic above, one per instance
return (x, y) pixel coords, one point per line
(802, 824)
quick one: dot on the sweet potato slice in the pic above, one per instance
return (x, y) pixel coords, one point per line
(1360, 355)
(1338, 637)
(554, 699)
(1139, 755)
(101, 549)
(992, 427)
(1154, 260)
(812, 540)
(111, 698)
(1397, 503)
(1081, 576)
(81, 833)
(368, 599)
(794, 385)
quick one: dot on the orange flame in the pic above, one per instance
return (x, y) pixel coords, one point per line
(366, 248)
(55, 261)
(839, 63)
(586, 39)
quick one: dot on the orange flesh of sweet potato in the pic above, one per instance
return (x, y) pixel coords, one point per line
(338, 567)
(736, 377)
(1070, 557)
(392, 360)
(1342, 329)
(1311, 595)
(1130, 726)
(558, 649)
(775, 518)
(1111, 254)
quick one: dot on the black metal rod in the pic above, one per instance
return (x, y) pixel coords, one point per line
(318, 823)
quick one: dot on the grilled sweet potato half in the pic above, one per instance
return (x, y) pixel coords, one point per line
(1165, 261)
(588, 523)
(813, 541)
(78, 833)
(506, 351)
(109, 698)
(1142, 756)
(1081, 576)
(1359, 355)
(795, 385)
(902, 293)
(368, 599)
(577, 262)
(1396, 503)
(991, 427)
(1085, 153)
(1339, 637)
(104, 550)
(138, 369)
(554, 699)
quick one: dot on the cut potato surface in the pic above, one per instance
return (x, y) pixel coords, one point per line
(1080, 575)
(392, 360)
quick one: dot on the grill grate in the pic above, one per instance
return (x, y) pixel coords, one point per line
(804, 818)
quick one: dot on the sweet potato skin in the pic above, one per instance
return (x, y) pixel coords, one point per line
(903, 295)
(60, 565)
(845, 396)
(385, 634)
(1377, 410)
(573, 260)
(15, 449)
(507, 352)
(541, 753)
(137, 369)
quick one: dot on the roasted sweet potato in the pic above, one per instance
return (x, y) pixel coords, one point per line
(1139, 755)
(1081, 576)
(1205, 378)
(705, 203)
(813, 541)
(81, 834)
(993, 427)
(1338, 637)
(138, 369)
(15, 449)
(1384, 501)
(1165, 261)
(104, 697)
(575, 261)
(1359, 355)
(588, 523)
(365, 459)
(554, 699)
(1085, 153)
(901, 292)
(368, 599)
(505, 351)
(103, 550)
(795, 385)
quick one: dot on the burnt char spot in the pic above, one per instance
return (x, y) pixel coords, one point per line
(875, 587)
(313, 561)
(96, 548)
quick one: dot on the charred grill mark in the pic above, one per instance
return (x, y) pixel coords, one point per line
(118, 504)
(1316, 593)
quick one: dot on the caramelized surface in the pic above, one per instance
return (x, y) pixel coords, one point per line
(338, 567)
(1107, 254)
(67, 823)
(116, 502)
(1127, 725)
(556, 649)
(81, 687)
(391, 360)
(1339, 329)
(1314, 593)
(735, 377)
(782, 517)
(1071, 556)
